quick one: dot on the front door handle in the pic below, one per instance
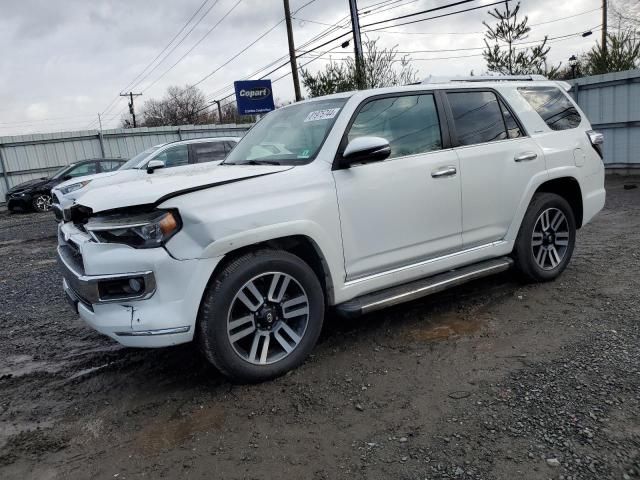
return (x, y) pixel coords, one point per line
(444, 172)
(526, 157)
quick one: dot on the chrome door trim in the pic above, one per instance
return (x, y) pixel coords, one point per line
(422, 263)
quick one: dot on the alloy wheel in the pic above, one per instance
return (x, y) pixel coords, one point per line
(43, 203)
(268, 318)
(550, 238)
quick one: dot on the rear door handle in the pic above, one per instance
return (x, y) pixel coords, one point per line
(526, 157)
(444, 172)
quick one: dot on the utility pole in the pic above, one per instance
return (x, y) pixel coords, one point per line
(217, 102)
(357, 43)
(100, 137)
(604, 28)
(132, 110)
(292, 51)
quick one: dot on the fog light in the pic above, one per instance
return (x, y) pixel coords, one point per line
(136, 285)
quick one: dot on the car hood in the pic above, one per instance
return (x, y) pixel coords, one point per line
(155, 188)
(30, 184)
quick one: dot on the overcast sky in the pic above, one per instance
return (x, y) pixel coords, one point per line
(63, 61)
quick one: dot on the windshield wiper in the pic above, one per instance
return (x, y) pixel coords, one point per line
(254, 162)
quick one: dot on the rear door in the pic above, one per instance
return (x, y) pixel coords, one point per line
(497, 161)
(407, 208)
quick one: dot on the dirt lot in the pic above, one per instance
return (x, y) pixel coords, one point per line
(493, 380)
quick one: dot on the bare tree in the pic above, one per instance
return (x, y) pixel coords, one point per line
(180, 106)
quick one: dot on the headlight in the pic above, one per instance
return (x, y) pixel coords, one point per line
(138, 230)
(74, 186)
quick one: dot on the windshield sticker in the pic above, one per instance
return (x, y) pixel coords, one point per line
(304, 154)
(322, 114)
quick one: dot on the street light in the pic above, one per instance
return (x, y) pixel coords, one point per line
(573, 62)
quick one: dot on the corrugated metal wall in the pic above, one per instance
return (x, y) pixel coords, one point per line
(26, 157)
(612, 103)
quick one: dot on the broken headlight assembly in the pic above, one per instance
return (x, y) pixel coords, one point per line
(138, 230)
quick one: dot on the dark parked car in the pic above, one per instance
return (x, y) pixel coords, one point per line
(36, 194)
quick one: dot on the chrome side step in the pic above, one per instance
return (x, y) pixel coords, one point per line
(423, 287)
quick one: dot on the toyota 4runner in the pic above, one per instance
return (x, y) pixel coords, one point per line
(357, 201)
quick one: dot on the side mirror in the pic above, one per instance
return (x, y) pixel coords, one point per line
(365, 150)
(67, 177)
(154, 165)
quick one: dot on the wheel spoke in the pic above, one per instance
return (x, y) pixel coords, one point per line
(254, 304)
(277, 297)
(557, 220)
(240, 322)
(242, 333)
(299, 302)
(554, 257)
(265, 349)
(536, 239)
(287, 348)
(254, 347)
(292, 335)
(544, 220)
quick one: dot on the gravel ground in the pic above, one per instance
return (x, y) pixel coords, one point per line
(492, 380)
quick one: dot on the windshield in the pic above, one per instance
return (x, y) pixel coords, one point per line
(60, 172)
(288, 136)
(134, 161)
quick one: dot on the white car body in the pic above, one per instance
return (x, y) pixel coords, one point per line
(373, 226)
(134, 172)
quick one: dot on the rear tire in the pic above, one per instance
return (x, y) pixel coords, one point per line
(546, 238)
(261, 316)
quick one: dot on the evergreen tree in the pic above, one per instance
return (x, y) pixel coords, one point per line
(503, 56)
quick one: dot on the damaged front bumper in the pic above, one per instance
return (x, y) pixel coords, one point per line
(139, 297)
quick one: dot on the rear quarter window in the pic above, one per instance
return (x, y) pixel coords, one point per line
(553, 106)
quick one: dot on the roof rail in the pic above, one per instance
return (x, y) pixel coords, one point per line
(485, 78)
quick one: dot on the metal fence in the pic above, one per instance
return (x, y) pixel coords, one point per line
(612, 103)
(27, 157)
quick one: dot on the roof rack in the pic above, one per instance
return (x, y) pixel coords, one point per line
(485, 78)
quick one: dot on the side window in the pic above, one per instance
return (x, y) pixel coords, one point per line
(477, 117)
(110, 165)
(553, 106)
(83, 169)
(208, 152)
(410, 124)
(513, 129)
(174, 156)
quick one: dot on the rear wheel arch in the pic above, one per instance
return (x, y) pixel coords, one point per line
(569, 189)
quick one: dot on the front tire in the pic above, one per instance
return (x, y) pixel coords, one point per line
(42, 202)
(546, 238)
(261, 316)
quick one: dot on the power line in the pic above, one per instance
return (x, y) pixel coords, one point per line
(435, 16)
(429, 10)
(132, 83)
(167, 45)
(193, 47)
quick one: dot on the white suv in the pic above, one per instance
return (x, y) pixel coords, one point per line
(357, 200)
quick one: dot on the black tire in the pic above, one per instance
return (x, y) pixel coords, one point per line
(528, 255)
(42, 202)
(220, 299)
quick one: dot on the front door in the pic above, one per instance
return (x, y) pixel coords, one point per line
(407, 208)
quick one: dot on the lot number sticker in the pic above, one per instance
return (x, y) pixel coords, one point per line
(322, 114)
